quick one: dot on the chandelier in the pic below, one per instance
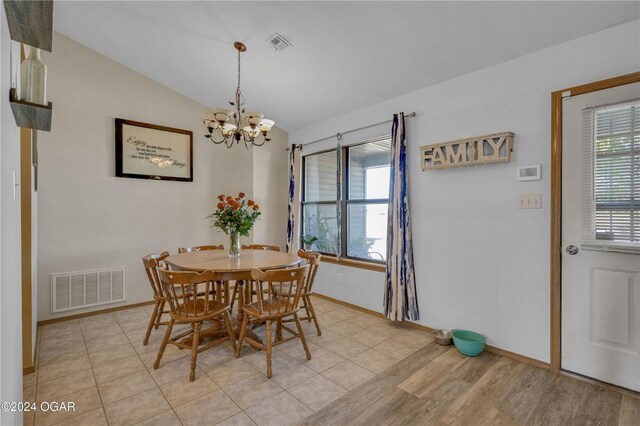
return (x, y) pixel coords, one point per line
(250, 127)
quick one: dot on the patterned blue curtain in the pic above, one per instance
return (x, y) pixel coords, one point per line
(293, 231)
(339, 197)
(400, 300)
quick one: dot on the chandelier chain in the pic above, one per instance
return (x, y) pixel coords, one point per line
(238, 70)
(238, 93)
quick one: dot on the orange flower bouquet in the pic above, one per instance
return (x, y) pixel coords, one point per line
(235, 216)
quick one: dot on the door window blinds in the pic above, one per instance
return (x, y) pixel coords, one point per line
(611, 211)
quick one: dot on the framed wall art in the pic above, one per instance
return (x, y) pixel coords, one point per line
(148, 151)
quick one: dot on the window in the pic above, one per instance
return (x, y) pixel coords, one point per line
(361, 204)
(614, 196)
(320, 200)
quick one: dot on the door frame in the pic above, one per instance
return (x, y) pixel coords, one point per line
(556, 201)
(26, 230)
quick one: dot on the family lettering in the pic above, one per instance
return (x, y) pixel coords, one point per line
(494, 148)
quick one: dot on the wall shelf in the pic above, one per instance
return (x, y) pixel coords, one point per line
(31, 22)
(29, 115)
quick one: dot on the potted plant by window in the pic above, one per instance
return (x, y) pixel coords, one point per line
(235, 216)
(308, 241)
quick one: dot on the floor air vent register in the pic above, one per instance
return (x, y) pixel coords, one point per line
(78, 290)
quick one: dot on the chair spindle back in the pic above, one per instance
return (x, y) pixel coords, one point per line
(188, 293)
(271, 247)
(285, 287)
(151, 264)
(312, 259)
(199, 248)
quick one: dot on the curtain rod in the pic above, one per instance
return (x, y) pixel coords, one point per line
(411, 114)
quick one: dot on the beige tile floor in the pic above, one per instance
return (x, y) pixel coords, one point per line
(99, 362)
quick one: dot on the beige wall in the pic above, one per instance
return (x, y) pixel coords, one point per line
(270, 189)
(480, 262)
(88, 218)
(10, 274)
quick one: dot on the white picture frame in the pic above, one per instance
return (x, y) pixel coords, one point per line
(532, 172)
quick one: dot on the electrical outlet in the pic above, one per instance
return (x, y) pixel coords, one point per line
(340, 280)
(530, 201)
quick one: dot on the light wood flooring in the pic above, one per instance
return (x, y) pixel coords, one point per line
(364, 370)
(439, 386)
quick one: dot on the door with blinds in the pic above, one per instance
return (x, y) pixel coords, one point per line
(601, 235)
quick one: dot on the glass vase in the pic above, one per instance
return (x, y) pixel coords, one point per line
(234, 244)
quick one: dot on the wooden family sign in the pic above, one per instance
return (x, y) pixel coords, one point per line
(494, 148)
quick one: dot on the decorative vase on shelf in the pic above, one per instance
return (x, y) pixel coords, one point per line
(33, 78)
(234, 244)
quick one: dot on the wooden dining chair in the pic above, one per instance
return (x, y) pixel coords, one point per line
(271, 247)
(312, 259)
(199, 248)
(151, 263)
(222, 287)
(189, 295)
(285, 287)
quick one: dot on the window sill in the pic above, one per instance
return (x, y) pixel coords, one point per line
(354, 263)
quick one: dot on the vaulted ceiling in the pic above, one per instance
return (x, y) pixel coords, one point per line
(345, 55)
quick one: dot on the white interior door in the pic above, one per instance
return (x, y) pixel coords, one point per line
(600, 240)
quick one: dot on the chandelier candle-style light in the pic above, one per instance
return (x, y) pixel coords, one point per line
(250, 127)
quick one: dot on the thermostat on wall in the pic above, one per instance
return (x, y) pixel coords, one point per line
(529, 172)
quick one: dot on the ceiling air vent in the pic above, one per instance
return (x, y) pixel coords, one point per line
(278, 42)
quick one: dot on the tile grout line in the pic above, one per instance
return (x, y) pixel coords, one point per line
(317, 374)
(225, 392)
(368, 347)
(75, 372)
(244, 411)
(264, 375)
(95, 379)
(148, 372)
(104, 410)
(349, 359)
(201, 396)
(211, 378)
(345, 359)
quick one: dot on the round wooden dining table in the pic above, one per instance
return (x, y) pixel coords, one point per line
(233, 268)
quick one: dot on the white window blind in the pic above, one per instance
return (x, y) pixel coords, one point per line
(612, 177)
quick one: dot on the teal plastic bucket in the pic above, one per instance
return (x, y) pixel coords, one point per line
(469, 342)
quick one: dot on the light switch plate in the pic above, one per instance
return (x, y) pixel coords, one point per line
(530, 201)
